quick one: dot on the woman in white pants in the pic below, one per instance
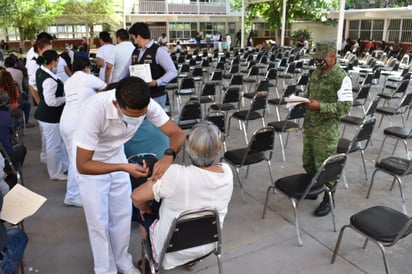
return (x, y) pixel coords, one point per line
(48, 113)
(77, 88)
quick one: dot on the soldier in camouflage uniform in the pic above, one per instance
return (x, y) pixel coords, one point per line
(330, 94)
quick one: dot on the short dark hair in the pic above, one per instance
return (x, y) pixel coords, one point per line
(44, 35)
(9, 62)
(47, 57)
(80, 62)
(122, 34)
(132, 92)
(141, 29)
(41, 43)
(105, 36)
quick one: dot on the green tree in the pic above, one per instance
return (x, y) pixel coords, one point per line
(90, 13)
(271, 11)
(29, 16)
(369, 4)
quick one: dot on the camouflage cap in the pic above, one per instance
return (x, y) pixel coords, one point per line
(4, 98)
(323, 48)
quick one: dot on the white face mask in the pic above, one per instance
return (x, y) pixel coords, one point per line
(54, 70)
(133, 121)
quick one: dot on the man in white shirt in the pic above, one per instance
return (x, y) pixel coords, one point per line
(105, 56)
(109, 119)
(122, 52)
(162, 40)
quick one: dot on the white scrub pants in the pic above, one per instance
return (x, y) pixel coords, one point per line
(108, 207)
(72, 191)
(56, 157)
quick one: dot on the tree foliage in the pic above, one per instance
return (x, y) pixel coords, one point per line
(90, 13)
(29, 16)
(271, 11)
(369, 4)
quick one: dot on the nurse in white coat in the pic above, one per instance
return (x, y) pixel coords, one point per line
(77, 88)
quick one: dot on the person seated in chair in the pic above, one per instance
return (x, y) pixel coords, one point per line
(13, 242)
(203, 184)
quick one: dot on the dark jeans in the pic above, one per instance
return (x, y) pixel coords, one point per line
(14, 250)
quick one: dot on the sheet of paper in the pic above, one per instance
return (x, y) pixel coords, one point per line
(20, 203)
(142, 71)
(294, 100)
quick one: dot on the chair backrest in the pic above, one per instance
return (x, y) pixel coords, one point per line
(220, 65)
(234, 69)
(259, 102)
(363, 92)
(330, 170)
(184, 68)
(364, 133)
(253, 71)
(263, 85)
(406, 101)
(297, 112)
(191, 111)
(403, 86)
(303, 79)
(217, 75)
(187, 83)
(262, 140)
(271, 74)
(291, 89)
(197, 72)
(372, 108)
(232, 95)
(209, 89)
(237, 80)
(218, 119)
(191, 229)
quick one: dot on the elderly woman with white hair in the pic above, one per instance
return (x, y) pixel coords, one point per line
(204, 183)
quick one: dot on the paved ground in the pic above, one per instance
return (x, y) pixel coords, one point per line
(59, 242)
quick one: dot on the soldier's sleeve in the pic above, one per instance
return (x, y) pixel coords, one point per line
(345, 98)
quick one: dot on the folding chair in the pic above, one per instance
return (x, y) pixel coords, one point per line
(356, 121)
(400, 109)
(186, 87)
(191, 228)
(260, 149)
(290, 124)
(218, 118)
(394, 166)
(381, 225)
(298, 187)
(257, 110)
(190, 115)
(358, 143)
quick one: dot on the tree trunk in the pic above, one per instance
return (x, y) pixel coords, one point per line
(21, 34)
(91, 40)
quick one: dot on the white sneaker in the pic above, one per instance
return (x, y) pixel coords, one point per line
(73, 202)
(132, 270)
(61, 177)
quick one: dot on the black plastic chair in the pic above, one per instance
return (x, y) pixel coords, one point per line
(190, 115)
(402, 134)
(382, 225)
(231, 101)
(257, 110)
(400, 109)
(279, 100)
(260, 149)
(290, 124)
(191, 228)
(218, 118)
(186, 87)
(359, 142)
(356, 121)
(395, 166)
(299, 186)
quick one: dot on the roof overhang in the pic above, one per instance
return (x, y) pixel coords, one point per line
(404, 12)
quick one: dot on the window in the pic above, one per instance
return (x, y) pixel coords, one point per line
(394, 29)
(366, 29)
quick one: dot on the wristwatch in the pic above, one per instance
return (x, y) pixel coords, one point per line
(170, 152)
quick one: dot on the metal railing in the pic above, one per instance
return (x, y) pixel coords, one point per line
(164, 7)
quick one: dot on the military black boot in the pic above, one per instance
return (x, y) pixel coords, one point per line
(324, 208)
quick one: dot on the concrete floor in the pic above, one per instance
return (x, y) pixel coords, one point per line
(59, 241)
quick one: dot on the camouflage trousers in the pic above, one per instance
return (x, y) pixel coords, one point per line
(316, 150)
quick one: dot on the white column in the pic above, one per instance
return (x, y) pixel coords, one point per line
(282, 36)
(340, 25)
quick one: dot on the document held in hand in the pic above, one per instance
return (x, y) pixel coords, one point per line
(294, 100)
(142, 71)
(20, 203)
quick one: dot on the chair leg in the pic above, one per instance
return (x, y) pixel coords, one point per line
(332, 206)
(385, 261)
(240, 185)
(371, 183)
(402, 195)
(335, 252)
(219, 264)
(245, 133)
(282, 148)
(345, 182)
(364, 164)
(267, 200)
(295, 212)
(270, 171)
